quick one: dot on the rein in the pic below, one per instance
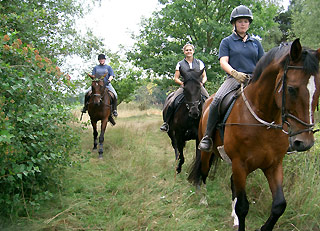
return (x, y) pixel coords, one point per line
(284, 114)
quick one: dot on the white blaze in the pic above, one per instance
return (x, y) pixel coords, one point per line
(312, 88)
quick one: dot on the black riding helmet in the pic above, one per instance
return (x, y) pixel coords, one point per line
(101, 56)
(241, 12)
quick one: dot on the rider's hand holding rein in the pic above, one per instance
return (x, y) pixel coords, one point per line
(240, 76)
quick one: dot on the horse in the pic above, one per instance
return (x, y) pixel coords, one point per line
(273, 114)
(99, 108)
(184, 124)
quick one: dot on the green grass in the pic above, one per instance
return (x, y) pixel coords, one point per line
(135, 187)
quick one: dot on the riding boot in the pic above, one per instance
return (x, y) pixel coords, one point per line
(86, 102)
(165, 126)
(206, 144)
(115, 113)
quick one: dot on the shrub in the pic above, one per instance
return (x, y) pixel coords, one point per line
(35, 136)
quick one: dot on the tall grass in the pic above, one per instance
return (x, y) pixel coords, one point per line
(135, 187)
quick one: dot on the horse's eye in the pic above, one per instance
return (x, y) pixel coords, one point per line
(293, 91)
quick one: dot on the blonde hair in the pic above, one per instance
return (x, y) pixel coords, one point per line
(188, 44)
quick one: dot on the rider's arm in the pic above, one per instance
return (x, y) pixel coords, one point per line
(176, 78)
(204, 77)
(224, 63)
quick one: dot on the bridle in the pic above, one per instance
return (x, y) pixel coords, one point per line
(193, 104)
(98, 95)
(196, 103)
(284, 113)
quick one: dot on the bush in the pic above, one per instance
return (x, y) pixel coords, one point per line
(35, 138)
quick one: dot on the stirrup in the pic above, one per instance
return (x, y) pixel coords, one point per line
(164, 127)
(84, 109)
(206, 144)
(115, 113)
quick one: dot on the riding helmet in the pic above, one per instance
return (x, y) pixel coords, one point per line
(101, 56)
(241, 12)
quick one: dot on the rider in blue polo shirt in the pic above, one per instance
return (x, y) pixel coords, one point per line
(98, 71)
(238, 56)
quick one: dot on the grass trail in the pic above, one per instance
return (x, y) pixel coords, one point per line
(135, 187)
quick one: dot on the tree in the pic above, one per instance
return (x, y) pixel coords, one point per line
(201, 22)
(36, 138)
(50, 26)
(305, 22)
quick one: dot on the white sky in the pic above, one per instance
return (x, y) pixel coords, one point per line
(114, 20)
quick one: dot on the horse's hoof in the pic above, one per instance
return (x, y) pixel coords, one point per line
(100, 156)
(94, 148)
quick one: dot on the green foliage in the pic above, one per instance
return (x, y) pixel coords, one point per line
(305, 22)
(200, 22)
(36, 139)
(49, 25)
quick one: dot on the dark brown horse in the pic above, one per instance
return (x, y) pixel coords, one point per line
(184, 124)
(99, 108)
(274, 113)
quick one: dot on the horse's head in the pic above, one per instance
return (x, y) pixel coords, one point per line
(98, 89)
(192, 94)
(297, 94)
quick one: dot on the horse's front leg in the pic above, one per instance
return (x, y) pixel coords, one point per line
(101, 137)
(95, 134)
(275, 177)
(180, 157)
(239, 177)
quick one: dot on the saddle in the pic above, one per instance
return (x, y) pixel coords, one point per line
(112, 96)
(224, 109)
(177, 102)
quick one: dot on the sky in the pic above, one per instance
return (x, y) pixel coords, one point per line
(113, 20)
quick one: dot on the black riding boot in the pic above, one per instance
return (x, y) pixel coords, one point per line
(86, 102)
(115, 104)
(165, 126)
(206, 144)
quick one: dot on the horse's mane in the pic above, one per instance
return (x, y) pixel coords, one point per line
(310, 61)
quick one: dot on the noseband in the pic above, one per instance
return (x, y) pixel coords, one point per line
(99, 95)
(284, 113)
(193, 104)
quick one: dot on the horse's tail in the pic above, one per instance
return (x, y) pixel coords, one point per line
(195, 169)
(196, 174)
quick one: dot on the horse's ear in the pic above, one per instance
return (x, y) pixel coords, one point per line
(91, 76)
(296, 50)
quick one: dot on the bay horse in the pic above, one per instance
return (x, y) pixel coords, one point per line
(273, 114)
(99, 108)
(184, 124)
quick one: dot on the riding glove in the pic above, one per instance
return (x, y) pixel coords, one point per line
(240, 76)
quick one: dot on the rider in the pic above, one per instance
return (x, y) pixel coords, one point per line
(186, 66)
(99, 71)
(238, 55)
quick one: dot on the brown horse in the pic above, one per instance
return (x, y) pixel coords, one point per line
(273, 114)
(99, 108)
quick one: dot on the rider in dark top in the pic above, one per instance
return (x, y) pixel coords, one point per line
(238, 55)
(188, 67)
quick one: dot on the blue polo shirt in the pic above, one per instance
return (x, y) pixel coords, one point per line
(100, 70)
(243, 56)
